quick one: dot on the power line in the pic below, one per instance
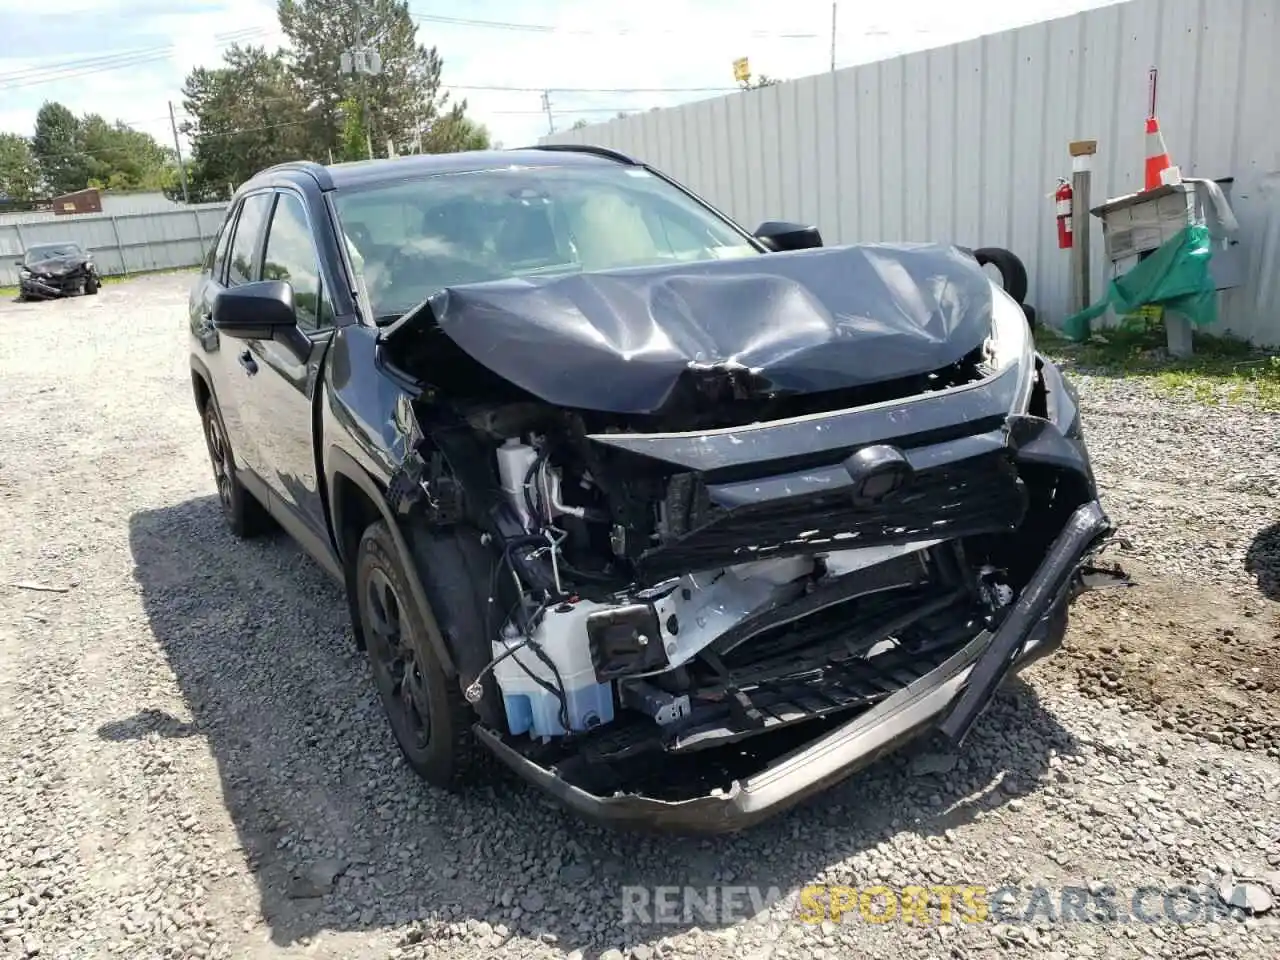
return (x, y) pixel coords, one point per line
(27, 72)
(212, 134)
(235, 133)
(230, 36)
(573, 31)
(539, 113)
(122, 59)
(69, 70)
(546, 89)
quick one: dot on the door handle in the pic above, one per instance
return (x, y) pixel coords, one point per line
(250, 365)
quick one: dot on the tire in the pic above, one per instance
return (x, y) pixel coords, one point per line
(429, 717)
(456, 571)
(1030, 312)
(91, 285)
(1013, 275)
(245, 516)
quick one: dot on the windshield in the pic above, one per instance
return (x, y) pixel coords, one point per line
(50, 251)
(410, 238)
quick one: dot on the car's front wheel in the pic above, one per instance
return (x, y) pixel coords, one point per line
(244, 514)
(91, 285)
(429, 717)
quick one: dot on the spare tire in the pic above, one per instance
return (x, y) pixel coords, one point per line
(1030, 312)
(1013, 275)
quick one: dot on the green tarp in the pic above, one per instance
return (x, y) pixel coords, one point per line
(1175, 276)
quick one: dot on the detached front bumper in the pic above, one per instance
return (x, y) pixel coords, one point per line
(42, 288)
(951, 696)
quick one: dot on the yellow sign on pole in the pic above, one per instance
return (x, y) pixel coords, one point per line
(741, 70)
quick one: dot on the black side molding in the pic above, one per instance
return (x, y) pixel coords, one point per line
(605, 152)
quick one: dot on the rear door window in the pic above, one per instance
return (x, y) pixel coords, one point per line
(244, 246)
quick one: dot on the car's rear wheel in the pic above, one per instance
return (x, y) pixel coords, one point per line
(429, 717)
(244, 514)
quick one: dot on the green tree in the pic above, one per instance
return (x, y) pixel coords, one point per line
(246, 115)
(59, 150)
(72, 153)
(19, 172)
(579, 124)
(764, 80)
(455, 133)
(261, 108)
(403, 100)
(121, 158)
(354, 144)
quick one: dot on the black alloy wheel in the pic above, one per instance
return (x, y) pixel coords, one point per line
(396, 671)
(431, 720)
(244, 514)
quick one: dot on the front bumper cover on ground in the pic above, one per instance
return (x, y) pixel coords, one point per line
(952, 695)
(49, 289)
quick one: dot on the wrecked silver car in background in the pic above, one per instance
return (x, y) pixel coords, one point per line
(753, 522)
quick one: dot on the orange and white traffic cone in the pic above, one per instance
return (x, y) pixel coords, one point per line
(1157, 156)
(1160, 169)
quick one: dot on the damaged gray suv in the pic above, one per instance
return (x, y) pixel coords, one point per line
(679, 522)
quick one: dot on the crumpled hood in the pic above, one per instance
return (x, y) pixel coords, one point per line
(622, 341)
(56, 266)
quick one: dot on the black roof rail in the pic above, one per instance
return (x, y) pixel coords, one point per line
(316, 170)
(605, 152)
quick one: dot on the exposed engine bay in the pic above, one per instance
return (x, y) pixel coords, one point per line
(743, 543)
(556, 662)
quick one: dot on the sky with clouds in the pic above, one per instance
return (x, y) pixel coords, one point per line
(126, 59)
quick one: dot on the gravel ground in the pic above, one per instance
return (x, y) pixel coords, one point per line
(193, 762)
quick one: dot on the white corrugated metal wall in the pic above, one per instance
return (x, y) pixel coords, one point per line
(133, 243)
(965, 142)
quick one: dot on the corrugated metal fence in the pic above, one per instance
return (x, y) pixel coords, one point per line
(964, 143)
(130, 243)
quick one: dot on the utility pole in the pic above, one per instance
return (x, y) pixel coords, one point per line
(546, 105)
(833, 36)
(1082, 153)
(362, 61)
(363, 93)
(177, 146)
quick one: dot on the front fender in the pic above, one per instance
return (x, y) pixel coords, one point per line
(339, 462)
(200, 371)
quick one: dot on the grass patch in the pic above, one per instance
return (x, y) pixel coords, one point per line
(1223, 369)
(8, 293)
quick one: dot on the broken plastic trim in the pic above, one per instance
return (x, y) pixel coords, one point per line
(34, 285)
(877, 731)
(1047, 590)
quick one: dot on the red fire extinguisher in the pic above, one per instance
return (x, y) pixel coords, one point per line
(1062, 202)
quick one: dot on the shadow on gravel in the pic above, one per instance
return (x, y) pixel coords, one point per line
(1263, 561)
(145, 722)
(340, 836)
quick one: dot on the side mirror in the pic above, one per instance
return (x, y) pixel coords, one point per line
(779, 235)
(255, 311)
